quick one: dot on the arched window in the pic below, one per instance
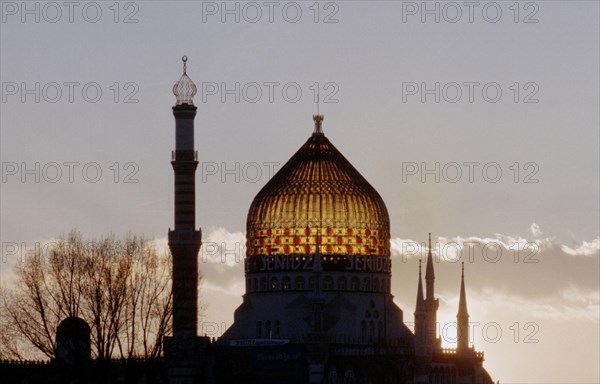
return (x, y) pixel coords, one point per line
(259, 329)
(371, 329)
(332, 376)
(274, 283)
(354, 283)
(380, 329)
(286, 283)
(376, 284)
(349, 376)
(269, 330)
(328, 283)
(341, 283)
(363, 329)
(299, 282)
(277, 329)
(312, 282)
(366, 284)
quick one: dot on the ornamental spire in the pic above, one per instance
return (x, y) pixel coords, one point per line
(429, 273)
(420, 307)
(462, 304)
(318, 119)
(462, 317)
(185, 89)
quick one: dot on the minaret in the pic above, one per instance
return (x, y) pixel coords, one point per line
(462, 317)
(185, 240)
(420, 316)
(181, 351)
(431, 304)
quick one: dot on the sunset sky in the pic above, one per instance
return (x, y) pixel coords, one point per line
(477, 123)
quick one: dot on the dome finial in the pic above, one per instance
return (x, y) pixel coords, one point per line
(185, 89)
(318, 119)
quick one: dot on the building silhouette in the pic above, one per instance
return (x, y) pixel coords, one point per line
(317, 307)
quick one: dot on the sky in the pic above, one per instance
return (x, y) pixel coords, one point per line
(477, 122)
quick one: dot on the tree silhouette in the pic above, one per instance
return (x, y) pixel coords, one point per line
(120, 286)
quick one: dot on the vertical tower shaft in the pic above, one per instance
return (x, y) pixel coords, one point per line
(185, 240)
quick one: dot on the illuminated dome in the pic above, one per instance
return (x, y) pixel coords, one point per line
(318, 197)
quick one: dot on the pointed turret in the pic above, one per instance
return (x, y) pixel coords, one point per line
(429, 273)
(462, 317)
(420, 307)
(420, 316)
(431, 304)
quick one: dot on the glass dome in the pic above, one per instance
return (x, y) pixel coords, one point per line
(318, 202)
(185, 89)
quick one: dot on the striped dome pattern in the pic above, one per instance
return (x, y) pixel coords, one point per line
(318, 202)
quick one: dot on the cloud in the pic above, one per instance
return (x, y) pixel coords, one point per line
(570, 304)
(453, 249)
(585, 249)
(223, 247)
(406, 248)
(534, 229)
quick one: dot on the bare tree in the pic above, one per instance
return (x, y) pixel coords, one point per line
(121, 287)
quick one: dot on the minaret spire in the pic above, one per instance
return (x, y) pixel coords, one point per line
(462, 318)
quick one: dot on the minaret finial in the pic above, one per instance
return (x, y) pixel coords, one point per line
(185, 89)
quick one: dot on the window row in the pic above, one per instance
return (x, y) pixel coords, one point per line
(367, 329)
(285, 283)
(268, 329)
